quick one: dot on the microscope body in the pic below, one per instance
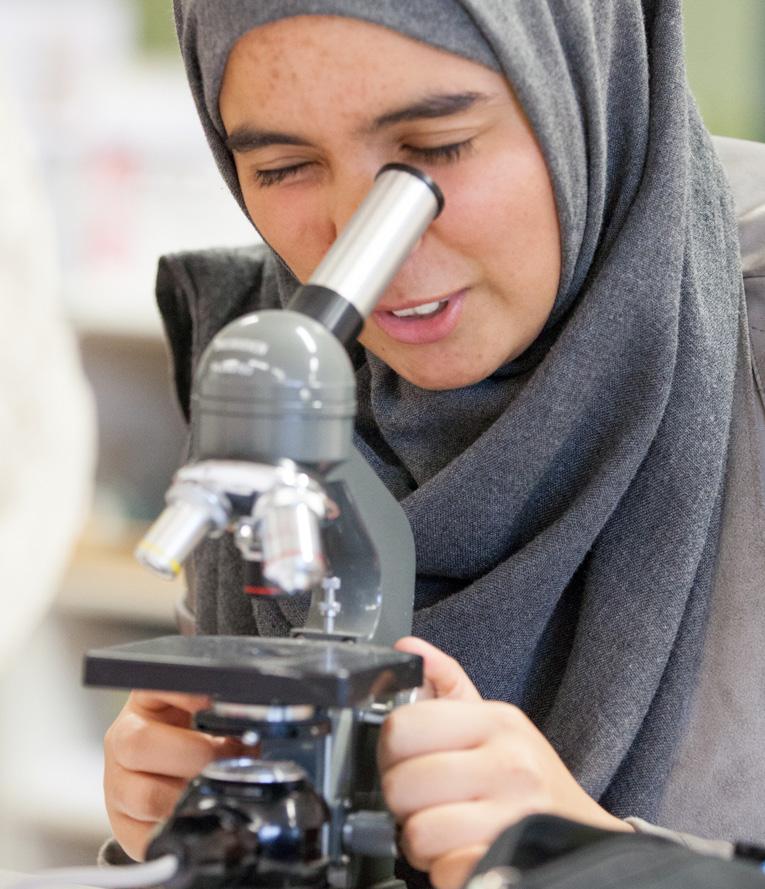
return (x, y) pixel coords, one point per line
(274, 408)
(273, 464)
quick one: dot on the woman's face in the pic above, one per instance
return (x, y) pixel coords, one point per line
(314, 105)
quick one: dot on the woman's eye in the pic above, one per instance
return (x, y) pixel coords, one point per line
(274, 177)
(441, 153)
(438, 154)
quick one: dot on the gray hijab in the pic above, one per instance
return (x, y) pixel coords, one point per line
(567, 509)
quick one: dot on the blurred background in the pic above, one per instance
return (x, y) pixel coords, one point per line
(103, 167)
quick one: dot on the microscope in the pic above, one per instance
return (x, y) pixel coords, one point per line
(273, 464)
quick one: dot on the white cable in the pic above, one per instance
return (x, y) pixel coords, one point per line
(128, 876)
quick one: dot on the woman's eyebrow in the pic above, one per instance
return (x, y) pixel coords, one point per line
(432, 106)
(249, 138)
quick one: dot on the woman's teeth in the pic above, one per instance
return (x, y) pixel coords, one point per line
(425, 309)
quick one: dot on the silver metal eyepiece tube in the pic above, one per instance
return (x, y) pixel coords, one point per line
(192, 513)
(380, 235)
(293, 558)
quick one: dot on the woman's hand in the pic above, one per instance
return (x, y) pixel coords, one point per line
(150, 754)
(458, 770)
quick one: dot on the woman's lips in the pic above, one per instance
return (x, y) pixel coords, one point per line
(421, 329)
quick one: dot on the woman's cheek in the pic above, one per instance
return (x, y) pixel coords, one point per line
(292, 229)
(505, 219)
(481, 212)
(531, 218)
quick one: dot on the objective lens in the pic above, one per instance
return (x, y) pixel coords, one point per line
(292, 553)
(192, 513)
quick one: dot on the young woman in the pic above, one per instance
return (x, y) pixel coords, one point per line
(568, 422)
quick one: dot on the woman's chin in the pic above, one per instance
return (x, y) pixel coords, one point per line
(452, 364)
(440, 379)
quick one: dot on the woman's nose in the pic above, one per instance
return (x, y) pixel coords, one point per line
(347, 195)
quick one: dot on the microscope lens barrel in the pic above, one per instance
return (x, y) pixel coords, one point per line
(180, 527)
(351, 278)
(293, 559)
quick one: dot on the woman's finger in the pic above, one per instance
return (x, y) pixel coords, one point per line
(141, 745)
(133, 836)
(436, 780)
(157, 702)
(439, 725)
(443, 674)
(432, 833)
(144, 797)
(451, 871)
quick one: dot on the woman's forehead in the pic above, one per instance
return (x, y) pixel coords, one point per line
(303, 43)
(307, 62)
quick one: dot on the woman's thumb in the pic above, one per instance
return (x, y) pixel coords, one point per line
(444, 677)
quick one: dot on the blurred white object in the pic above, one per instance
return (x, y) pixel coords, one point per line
(47, 424)
(126, 165)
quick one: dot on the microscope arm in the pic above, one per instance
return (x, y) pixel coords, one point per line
(380, 575)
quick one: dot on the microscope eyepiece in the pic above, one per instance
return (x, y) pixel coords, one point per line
(420, 174)
(362, 262)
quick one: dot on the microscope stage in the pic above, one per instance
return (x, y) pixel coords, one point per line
(255, 670)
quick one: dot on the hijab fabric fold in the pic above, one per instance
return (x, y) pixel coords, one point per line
(567, 509)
